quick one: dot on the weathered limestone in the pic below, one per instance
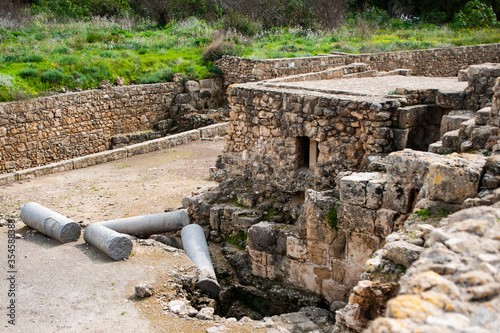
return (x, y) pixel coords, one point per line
(481, 79)
(454, 286)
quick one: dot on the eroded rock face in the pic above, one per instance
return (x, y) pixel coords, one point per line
(454, 286)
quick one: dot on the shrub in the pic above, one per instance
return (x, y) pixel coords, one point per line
(332, 218)
(476, 14)
(33, 58)
(11, 58)
(217, 49)
(164, 75)
(28, 72)
(241, 23)
(62, 50)
(52, 76)
(68, 61)
(80, 9)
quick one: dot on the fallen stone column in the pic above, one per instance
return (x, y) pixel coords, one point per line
(195, 245)
(149, 224)
(50, 223)
(114, 244)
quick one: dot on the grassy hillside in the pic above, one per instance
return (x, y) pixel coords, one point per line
(42, 56)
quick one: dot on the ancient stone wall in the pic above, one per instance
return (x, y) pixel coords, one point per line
(239, 70)
(45, 130)
(434, 62)
(271, 128)
(481, 79)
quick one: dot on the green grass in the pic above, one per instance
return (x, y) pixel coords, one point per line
(42, 55)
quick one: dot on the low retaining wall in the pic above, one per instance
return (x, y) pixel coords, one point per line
(117, 154)
(46, 130)
(434, 62)
(240, 70)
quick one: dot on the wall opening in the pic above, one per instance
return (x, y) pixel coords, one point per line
(303, 152)
(307, 153)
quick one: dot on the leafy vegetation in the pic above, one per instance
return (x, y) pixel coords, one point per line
(331, 217)
(78, 43)
(237, 239)
(423, 213)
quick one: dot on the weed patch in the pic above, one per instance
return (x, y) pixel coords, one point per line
(332, 218)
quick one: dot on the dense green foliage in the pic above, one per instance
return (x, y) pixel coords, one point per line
(476, 15)
(81, 9)
(78, 43)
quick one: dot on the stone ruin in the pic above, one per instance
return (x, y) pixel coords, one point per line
(376, 191)
(346, 183)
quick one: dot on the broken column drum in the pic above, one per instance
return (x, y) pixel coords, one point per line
(114, 244)
(195, 245)
(50, 223)
(108, 236)
(149, 224)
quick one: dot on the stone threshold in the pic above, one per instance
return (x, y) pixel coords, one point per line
(202, 133)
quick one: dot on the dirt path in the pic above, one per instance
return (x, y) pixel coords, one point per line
(75, 288)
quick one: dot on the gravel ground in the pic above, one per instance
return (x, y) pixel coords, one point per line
(73, 287)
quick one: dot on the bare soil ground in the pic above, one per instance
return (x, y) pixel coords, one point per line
(75, 288)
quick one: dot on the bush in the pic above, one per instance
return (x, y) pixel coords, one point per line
(217, 49)
(33, 58)
(164, 75)
(81, 9)
(62, 50)
(28, 72)
(52, 76)
(475, 15)
(241, 23)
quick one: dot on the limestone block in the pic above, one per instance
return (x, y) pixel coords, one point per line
(375, 191)
(410, 307)
(263, 237)
(400, 139)
(493, 165)
(246, 199)
(384, 222)
(338, 245)
(402, 253)
(296, 249)
(450, 100)
(398, 197)
(409, 167)
(411, 116)
(360, 247)
(356, 218)
(244, 219)
(338, 271)
(302, 275)
(358, 188)
(352, 274)
(192, 86)
(316, 206)
(318, 252)
(481, 135)
(455, 179)
(333, 291)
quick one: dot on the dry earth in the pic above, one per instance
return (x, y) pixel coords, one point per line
(73, 287)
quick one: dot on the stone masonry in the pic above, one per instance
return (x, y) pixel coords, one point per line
(45, 130)
(433, 62)
(315, 222)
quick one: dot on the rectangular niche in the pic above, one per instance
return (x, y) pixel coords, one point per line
(307, 153)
